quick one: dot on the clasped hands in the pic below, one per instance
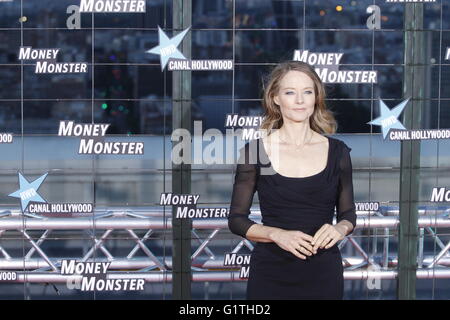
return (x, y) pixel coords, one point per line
(301, 244)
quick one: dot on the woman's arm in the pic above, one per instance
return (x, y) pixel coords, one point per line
(296, 242)
(261, 233)
(345, 226)
(345, 205)
(328, 234)
(244, 188)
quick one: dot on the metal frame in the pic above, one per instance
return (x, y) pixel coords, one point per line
(204, 263)
(181, 174)
(413, 87)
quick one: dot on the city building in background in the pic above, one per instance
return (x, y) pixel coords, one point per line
(125, 86)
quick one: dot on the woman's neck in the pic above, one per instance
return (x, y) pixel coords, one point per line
(295, 133)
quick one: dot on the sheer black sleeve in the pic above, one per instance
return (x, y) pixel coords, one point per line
(244, 188)
(345, 206)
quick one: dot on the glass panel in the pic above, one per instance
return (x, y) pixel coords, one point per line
(125, 87)
(273, 14)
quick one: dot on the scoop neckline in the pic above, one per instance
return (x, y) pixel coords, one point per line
(298, 178)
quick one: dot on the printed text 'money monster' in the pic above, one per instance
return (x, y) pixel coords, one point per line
(168, 199)
(28, 53)
(313, 58)
(69, 128)
(117, 6)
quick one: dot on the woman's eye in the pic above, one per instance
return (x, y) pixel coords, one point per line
(308, 92)
(289, 92)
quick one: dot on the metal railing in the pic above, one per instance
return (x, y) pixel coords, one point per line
(206, 265)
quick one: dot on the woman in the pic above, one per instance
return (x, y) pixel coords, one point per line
(296, 254)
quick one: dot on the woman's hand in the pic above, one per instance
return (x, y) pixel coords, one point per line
(296, 242)
(327, 236)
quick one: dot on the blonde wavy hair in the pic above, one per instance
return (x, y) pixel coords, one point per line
(322, 120)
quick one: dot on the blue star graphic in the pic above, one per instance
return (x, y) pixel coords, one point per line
(28, 191)
(167, 48)
(388, 119)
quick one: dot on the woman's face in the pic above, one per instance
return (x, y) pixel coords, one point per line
(296, 97)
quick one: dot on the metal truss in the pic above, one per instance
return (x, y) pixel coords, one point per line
(38, 266)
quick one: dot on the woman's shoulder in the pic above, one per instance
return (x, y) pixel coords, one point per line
(341, 157)
(339, 143)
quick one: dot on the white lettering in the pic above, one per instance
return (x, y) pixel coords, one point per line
(27, 53)
(234, 259)
(67, 67)
(186, 212)
(8, 276)
(118, 6)
(440, 195)
(6, 138)
(168, 199)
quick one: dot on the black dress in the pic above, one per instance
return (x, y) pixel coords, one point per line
(303, 204)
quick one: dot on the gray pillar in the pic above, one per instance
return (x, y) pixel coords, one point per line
(414, 88)
(181, 174)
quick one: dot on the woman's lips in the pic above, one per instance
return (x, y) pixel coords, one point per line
(299, 109)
